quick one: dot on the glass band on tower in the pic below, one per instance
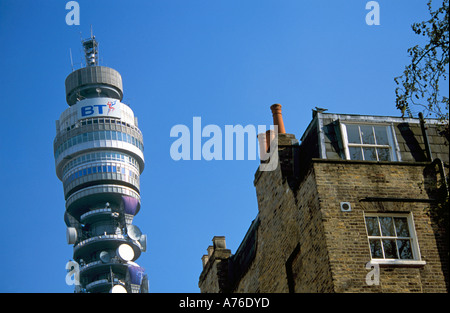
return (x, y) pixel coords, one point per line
(99, 156)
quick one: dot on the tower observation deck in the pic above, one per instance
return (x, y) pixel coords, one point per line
(99, 156)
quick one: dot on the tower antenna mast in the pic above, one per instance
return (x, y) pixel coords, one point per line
(71, 59)
(90, 47)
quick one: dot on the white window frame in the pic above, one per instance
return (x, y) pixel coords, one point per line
(413, 237)
(394, 150)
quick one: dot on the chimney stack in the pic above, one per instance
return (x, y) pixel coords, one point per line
(205, 259)
(219, 242)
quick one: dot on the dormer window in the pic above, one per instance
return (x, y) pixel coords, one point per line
(368, 142)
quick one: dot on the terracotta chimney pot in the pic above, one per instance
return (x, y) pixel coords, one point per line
(278, 118)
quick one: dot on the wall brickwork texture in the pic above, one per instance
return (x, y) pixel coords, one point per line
(346, 235)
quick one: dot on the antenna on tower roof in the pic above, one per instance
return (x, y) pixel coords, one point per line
(71, 60)
(90, 46)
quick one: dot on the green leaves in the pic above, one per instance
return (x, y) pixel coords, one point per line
(419, 85)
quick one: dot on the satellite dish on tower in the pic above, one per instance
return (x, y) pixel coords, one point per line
(125, 252)
(71, 235)
(105, 257)
(143, 242)
(134, 232)
(118, 289)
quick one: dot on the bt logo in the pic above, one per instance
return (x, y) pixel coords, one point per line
(97, 109)
(111, 106)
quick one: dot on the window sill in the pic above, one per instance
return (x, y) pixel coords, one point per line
(399, 263)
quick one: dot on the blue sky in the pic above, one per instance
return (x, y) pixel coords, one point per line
(224, 61)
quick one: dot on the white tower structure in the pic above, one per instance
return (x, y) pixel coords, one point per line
(99, 156)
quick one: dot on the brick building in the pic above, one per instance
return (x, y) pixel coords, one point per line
(349, 209)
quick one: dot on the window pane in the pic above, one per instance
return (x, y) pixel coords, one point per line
(387, 226)
(383, 154)
(390, 250)
(404, 249)
(355, 153)
(381, 135)
(375, 249)
(370, 154)
(401, 226)
(367, 134)
(353, 134)
(372, 226)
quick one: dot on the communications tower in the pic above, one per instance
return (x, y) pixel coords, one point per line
(99, 156)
